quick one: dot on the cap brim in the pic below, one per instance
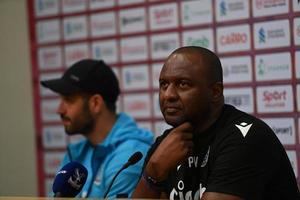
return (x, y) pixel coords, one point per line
(60, 86)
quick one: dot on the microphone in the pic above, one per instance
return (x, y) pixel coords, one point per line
(134, 158)
(69, 180)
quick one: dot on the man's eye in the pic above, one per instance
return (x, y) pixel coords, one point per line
(183, 84)
(163, 84)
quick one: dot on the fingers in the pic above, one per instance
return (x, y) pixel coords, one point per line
(189, 146)
(185, 127)
(184, 131)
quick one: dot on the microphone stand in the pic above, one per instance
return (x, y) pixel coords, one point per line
(111, 183)
(131, 161)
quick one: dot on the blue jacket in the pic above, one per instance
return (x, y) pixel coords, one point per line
(104, 160)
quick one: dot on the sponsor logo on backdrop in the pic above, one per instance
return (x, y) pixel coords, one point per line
(103, 24)
(277, 33)
(237, 69)
(95, 4)
(222, 8)
(50, 57)
(75, 28)
(201, 41)
(202, 38)
(261, 35)
(48, 31)
(272, 34)
(275, 66)
(131, 76)
(132, 20)
(260, 4)
(163, 44)
(127, 2)
(136, 77)
(242, 98)
(69, 6)
(233, 38)
(297, 31)
(269, 7)
(287, 130)
(106, 50)
(284, 129)
(46, 7)
(137, 105)
(48, 111)
(54, 137)
(101, 52)
(272, 99)
(163, 16)
(75, 52)
(196, 12)
(232, 9)
(134, 48)
(274, 96)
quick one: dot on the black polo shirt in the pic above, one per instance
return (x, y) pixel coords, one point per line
(238, 155)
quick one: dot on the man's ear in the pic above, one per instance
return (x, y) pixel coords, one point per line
(96, 103)
(217, 92)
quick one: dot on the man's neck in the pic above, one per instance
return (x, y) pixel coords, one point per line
(103, 126)
(210, 120)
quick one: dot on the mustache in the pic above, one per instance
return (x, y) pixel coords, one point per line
(64, 117)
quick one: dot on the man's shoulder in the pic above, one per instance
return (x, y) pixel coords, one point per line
(239, 121)
(238, 126)
(126, 129)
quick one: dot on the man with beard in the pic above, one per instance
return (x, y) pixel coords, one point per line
(213, 151)
(88, 93)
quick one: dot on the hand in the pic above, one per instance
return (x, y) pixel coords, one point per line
(171, 152)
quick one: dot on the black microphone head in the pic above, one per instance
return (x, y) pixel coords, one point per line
(70, 179)
(137, 156)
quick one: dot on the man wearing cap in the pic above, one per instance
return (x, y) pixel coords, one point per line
(88, 93)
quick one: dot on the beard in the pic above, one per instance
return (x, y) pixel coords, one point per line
(83, 123)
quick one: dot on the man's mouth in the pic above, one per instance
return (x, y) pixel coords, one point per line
(171, 109)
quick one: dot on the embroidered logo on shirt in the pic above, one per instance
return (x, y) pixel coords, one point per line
(205, 159)
(244, 128)
(178, 167)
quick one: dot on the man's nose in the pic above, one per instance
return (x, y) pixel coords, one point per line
(171, 93)
(61, 108)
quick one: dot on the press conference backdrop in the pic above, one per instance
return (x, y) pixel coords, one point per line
(258, 42)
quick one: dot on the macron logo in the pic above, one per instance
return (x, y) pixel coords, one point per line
(178, 167)
(244, 128)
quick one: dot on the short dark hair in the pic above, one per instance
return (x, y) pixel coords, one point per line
(211, 59)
